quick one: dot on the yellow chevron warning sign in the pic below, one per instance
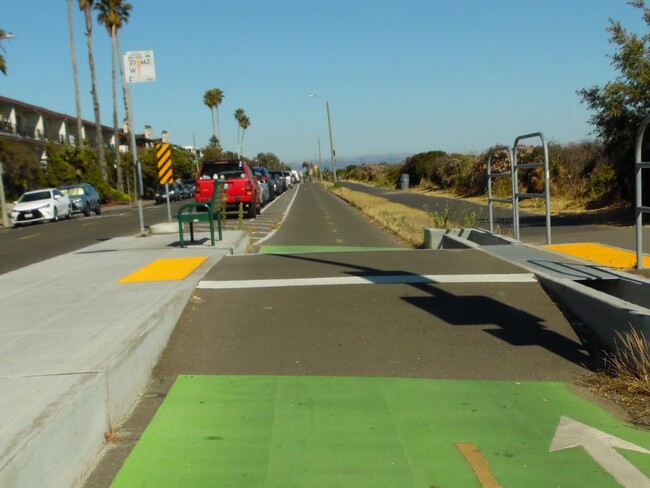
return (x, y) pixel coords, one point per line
(164, 156)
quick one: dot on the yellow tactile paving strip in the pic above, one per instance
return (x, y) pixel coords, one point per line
(611, 257)
(168, 269)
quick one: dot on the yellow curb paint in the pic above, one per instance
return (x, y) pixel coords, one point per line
(168, 269)
(479, 465)
(605, 255)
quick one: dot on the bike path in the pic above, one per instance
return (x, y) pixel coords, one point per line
(375, 368)
(290, 431)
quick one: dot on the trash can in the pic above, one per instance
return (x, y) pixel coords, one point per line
(404, 181)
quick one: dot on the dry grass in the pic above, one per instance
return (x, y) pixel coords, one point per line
(112, 436)
(626, 378)
(406, 223)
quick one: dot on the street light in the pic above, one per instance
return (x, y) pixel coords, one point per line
(329, 124)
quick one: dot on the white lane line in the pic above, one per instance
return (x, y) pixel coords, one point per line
(370, 280)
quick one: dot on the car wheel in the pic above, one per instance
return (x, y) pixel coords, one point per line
(87, 210)
(55, 215)
(252, 211)
(98, 210)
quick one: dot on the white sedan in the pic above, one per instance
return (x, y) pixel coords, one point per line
(35, 206)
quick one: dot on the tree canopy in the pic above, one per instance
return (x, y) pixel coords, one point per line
(620, 105)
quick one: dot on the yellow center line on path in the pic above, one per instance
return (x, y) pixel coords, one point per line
(479, 465)
(29, 237)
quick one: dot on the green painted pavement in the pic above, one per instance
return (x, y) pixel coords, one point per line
(304, 249)
(283, 431)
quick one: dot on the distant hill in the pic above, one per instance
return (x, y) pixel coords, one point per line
(391, 158)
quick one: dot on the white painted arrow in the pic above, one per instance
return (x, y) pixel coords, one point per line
(601, 447)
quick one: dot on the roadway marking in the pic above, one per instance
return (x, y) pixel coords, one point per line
(166, 269)
(369, 280)
(479, 465)
(611, 257)
(29, 237)
(277, 431)
(600, 446)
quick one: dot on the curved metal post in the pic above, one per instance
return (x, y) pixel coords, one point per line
(491, 176)
(639, 165)
(515, 183)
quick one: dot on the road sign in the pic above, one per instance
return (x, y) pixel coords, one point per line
(164, 156)
(139, 66)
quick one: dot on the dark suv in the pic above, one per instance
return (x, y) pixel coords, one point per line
(83, 198)
(240, 185)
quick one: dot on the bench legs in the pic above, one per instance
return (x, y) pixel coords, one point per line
(191, 222)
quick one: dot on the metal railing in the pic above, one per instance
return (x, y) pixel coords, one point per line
(492, 176)
(639, 166)
(517, 195)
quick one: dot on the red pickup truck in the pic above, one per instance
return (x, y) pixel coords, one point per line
(241, 186)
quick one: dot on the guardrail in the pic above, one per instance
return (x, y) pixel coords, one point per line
(516, 194)
(492, 176)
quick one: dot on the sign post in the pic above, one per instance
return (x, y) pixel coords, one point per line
(139, 67)
(165, 175)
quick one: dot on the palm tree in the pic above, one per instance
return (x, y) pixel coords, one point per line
(245, 124)
(75, 73)
(86, 6)
(113, 14)
(218, 98)
(213, 99)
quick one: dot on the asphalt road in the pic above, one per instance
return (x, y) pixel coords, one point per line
(260, 321)
(36, 242)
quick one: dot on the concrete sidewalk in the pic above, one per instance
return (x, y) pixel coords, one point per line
(77, 348)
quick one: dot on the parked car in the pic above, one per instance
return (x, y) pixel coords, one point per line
(281, 181)
(241, 186)
(188, 190)
(175, 193)
(287, 176)
(48, 204)
(265, 176)
(83, 198)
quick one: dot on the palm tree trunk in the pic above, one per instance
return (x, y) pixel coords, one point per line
(121, 63)
(214, 132)
(116, 130)
(218, 129)
(75, 73)
(98, 123)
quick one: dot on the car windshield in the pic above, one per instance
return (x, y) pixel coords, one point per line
(77, 190)
(223, 171)
(34, 196)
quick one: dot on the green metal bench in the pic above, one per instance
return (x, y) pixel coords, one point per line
(203, 212)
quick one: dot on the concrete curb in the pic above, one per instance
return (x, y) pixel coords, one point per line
(55, 414)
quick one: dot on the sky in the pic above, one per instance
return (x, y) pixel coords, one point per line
(400, 76)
